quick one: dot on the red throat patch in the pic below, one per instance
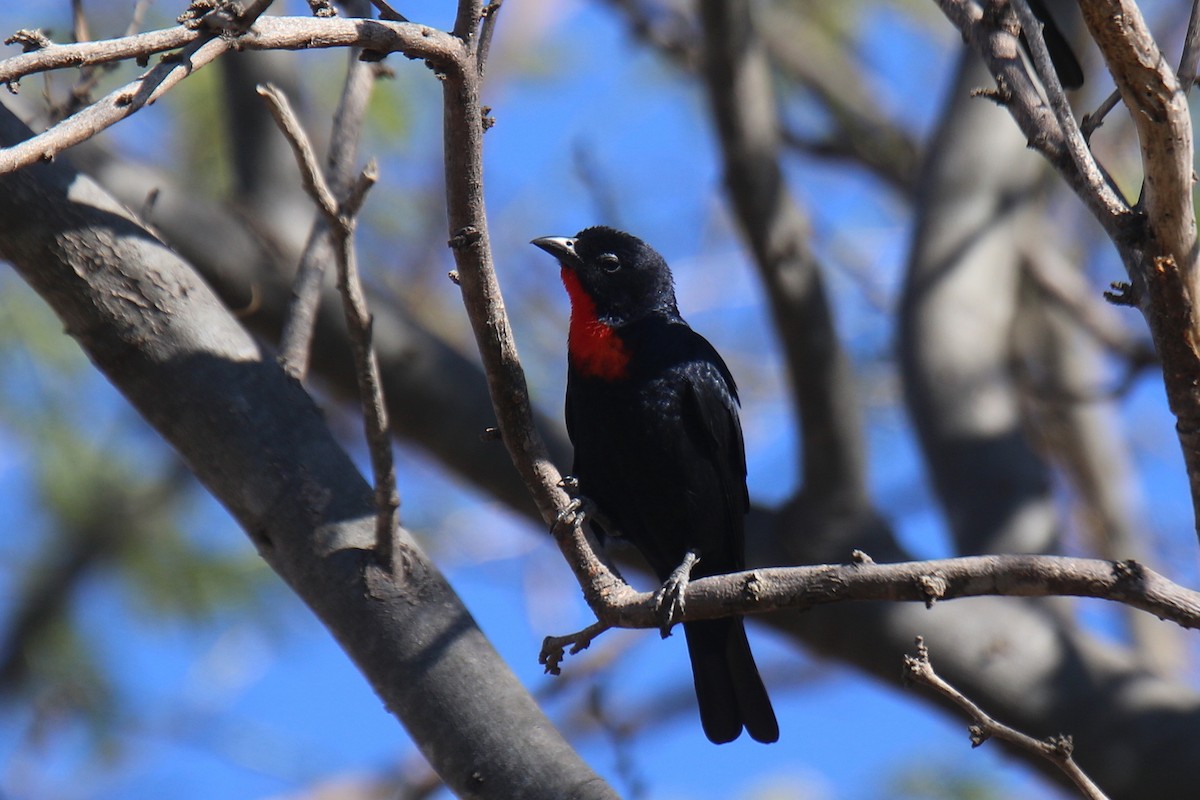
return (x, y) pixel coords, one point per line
(595, 349)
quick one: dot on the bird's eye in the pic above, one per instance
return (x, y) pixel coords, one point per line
(609, 262)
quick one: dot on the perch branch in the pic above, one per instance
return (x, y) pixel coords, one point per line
(800, 588)
(464, 127)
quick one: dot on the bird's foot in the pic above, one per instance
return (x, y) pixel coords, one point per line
(579, 509)
(583, 506)
(669, 597)
(574, 513)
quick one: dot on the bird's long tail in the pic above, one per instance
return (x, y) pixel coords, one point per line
(728, 688)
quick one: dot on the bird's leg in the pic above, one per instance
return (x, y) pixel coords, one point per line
(669, 597)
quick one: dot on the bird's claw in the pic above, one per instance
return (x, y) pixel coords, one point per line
(570, 485)
(578, 509)
(669, 597)
(573, 513)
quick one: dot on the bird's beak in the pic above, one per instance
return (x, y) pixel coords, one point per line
(561, 247)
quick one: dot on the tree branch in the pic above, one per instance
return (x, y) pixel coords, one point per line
(1072, 137)
(340, 216)
(1057, 749)
(1017, 92)
(261, 446)
(762, 591)
(463, 131)
(295, 341)
(1151, 90)
(50, 56)
(1158, 244)
(437, 397)
(220, 31)
(268, 33)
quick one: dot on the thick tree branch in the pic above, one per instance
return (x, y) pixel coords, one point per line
(257, 441)
(1158, 104)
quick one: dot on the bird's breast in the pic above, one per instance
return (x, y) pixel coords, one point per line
(595, 348)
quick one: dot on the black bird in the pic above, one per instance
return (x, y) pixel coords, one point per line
(652, 412)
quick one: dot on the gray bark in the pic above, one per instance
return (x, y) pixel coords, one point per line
(258, 442)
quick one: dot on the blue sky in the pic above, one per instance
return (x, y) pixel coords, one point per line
(238, 708)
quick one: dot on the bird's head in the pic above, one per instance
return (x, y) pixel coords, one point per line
(620, 276)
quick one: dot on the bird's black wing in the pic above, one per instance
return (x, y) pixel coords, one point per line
(710, 420)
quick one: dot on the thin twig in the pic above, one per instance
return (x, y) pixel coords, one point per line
(490, 12)
(296, 339)
(554, 648)
(1093, 174)
(89, 76)
(128, 99)
(268, 33)
(1056, 749)
(341, 220)
(387, 12)
(79, 25)
(1016, 90)
(476, 277)
(1094, 120)
(1190, 56)
(59, 56)
(310, 170)
(139, 13)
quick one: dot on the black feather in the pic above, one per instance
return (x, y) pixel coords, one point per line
(658, 448)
